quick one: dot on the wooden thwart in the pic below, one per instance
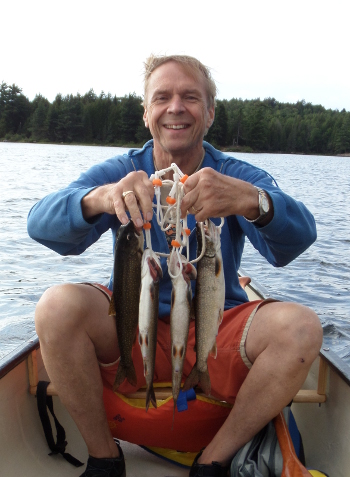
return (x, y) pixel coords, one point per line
(303, 396)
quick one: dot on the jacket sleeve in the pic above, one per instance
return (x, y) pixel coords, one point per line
(57, 221)
(292, 229)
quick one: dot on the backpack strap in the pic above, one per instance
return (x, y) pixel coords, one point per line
(45, 402)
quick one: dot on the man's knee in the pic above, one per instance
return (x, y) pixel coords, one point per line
(52, 309)
(307, 330)
(288, 326)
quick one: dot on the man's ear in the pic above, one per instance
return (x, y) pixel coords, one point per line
(145, 117)
(211, 116)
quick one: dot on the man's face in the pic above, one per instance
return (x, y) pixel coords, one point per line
(177, 111)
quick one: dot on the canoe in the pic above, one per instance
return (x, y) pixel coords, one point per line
(321, 409)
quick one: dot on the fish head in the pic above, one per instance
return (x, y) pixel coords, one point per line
(130, 239)
(177, 261)
(211, 234)
(151, 265)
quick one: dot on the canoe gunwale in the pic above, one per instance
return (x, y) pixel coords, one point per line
(18, 355)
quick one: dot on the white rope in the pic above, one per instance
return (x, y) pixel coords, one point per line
(170, 215)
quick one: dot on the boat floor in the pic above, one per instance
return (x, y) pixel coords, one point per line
(24, 451)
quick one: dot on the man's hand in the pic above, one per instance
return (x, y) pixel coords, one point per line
(109, 199)
(211, 194)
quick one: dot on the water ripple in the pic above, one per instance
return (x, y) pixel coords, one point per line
(320, 278)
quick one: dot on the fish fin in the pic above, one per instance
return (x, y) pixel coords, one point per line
(120, 376)
(189, 296)
(214, 351)
(192, 379)
(218, 266)
(125, 372)
(145, 369)
(172, 297)
(204, 380)
(111, 311)
(220, 317)
(150, 398)
(131, 375)
(152, 291)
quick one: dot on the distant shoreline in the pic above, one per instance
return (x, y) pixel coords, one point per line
(239, 149)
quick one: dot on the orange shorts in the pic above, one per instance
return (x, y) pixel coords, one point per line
(227, 371)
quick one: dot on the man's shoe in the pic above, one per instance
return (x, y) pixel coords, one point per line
(114, 467)
(207, 470)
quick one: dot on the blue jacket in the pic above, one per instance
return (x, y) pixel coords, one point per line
(57, 221)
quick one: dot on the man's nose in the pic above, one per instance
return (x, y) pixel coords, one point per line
(176, 105)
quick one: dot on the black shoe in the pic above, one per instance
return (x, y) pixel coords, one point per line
(207, 470)
(114, 467)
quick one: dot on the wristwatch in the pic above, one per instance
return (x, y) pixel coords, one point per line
(264, 206)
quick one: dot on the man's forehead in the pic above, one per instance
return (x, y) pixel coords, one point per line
(163, 79)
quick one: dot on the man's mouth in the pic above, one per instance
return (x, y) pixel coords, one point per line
(176, 126)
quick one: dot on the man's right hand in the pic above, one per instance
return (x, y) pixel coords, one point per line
(109, 199)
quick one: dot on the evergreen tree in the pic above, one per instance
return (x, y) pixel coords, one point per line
(131, 117)
(219, 131)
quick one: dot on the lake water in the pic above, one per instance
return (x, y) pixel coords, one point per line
(320, 278)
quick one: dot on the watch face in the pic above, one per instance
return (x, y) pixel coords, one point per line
(264, 203)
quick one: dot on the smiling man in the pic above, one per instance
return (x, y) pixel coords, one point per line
(265, 348)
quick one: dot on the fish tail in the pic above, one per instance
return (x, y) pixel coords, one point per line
(204, 380)
(150, 398)
(192, 379)
(123, 372)
(198, 377)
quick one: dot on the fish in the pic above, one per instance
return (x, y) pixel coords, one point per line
(124, 304)
(209, 301)
(180, 316)
(151, 273)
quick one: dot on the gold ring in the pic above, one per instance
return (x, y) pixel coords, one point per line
(124, 194)
(195, 210)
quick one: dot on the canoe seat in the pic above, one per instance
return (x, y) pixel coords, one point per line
(303, 396)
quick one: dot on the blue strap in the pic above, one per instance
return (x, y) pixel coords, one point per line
(184, 397)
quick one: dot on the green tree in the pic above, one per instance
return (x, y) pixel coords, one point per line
(218, 132)
(15, 110)
(39, 118)
(342, 135)
(130, 117)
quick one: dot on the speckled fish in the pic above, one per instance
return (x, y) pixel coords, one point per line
(209, 303)
(125, 299)
(151, 273)
(181, 299)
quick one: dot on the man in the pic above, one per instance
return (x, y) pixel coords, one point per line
(273, 343)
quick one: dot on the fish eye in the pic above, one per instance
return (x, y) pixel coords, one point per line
(128, 237)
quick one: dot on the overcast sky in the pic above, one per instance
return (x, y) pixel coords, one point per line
(289, 50)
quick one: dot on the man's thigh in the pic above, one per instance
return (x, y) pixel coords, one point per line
(93, 302)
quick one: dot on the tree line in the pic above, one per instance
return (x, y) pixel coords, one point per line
(247, 125)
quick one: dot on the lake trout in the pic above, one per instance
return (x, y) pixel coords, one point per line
(125, 299)
(181, 299)
(209, 303)
(151, 273)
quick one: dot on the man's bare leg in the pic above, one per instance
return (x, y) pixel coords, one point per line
(75, 332)
(282, 343)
